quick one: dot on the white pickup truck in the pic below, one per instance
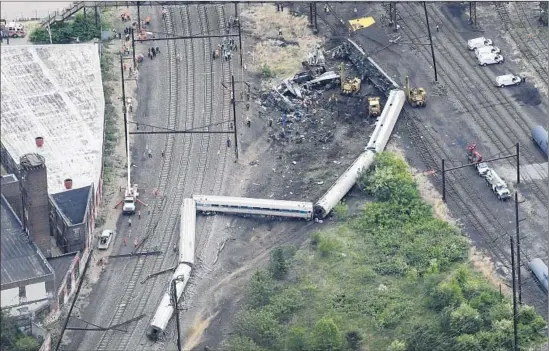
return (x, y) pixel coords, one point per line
(482, 169)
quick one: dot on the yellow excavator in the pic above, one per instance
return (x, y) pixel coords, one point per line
(415, 96)
(348, 86)
(374, 107)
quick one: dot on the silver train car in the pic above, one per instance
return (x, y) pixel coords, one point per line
(378, 140)
(539, 270)
(182, 273)
(248, 206)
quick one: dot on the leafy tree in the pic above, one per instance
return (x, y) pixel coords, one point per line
(278, 266)
(241, 343)
(326, 336)
(465, 319)
(285, 303)
(82, 27)
(27, 343)
(261, 289)
(447, 293)
(397, 345)
(354, 340)
(341, 210)
(296, 339)
(261, 326)
(9, 331)
(468, 342)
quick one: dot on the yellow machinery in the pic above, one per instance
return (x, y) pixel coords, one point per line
(374, 107)
(348, 86)
(415, 96)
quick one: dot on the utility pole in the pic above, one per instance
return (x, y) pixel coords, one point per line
(233, 93)
(473, 13)
(176, 312)
(124, 103)
(517, 229)
(443, 182)
(239, 34)
(393, 16)
(313, 17)
(430, 40)
(138, 17)
(518, 163)
(515, 321)
(133, 51)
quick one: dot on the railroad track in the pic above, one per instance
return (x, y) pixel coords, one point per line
(475, 214)
(161, 207)
(539, 44)
(206, 172)
(489, 118)
(483, 119)
(529, 55)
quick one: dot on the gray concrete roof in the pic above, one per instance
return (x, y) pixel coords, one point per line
(54, 92)
(61, 265)
(20, 259)
(73, 203)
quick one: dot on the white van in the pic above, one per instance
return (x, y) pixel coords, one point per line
(508, 79)
(487, 50)
(489, 59)
(478, 43)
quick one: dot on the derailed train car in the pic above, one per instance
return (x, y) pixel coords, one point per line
(249, 206)
(539, 135)
(165, 310)
(378, 140)
(539, 270)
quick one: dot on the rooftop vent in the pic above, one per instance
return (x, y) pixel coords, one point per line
(39, 141)
(68, 183)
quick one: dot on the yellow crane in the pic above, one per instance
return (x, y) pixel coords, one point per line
(415, 96)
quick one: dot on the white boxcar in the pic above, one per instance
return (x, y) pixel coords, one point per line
(249, 206)
(164, 311)
(187, 231)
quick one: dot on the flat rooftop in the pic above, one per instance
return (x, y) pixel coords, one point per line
(54, 92)
(20, 259)
(61, 265)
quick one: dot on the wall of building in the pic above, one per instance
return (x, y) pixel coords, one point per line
(8, 162)
(35, 298)
(12, 193)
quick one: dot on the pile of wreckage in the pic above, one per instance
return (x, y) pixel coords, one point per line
(296, 91)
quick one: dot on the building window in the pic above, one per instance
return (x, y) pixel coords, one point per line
(22, 292)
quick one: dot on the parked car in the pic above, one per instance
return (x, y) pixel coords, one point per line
(105, 239)
(508, 79)
(489, 59)
(487, 50)
(478, 43)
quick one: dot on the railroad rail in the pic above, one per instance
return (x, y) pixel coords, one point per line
(156, 218)
(537, 65)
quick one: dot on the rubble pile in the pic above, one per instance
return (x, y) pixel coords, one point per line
(364, 66)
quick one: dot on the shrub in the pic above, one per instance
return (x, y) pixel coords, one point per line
(278, 266)
(267, 72)
(261, 289)
(325, 336)
(341, 210)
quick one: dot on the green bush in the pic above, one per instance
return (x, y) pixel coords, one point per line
(278, 266)
(341, 210)
(392, 270)
(267, 72)
(82, 27)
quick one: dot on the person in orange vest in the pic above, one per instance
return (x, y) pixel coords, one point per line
(125, 241)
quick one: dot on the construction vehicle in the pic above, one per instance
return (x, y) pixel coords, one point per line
(348, 86)
(476, 158)
(374, 107)
(497, 185)
(131, 193)
(415, 96)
